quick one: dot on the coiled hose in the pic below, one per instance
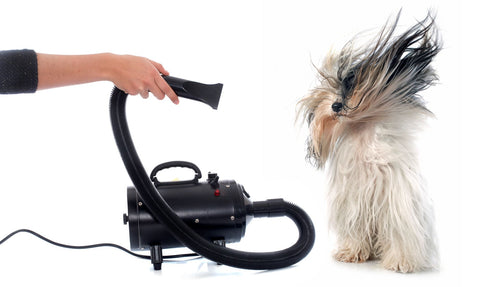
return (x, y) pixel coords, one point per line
(183, 233)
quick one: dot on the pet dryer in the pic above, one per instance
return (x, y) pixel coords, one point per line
(201, 215)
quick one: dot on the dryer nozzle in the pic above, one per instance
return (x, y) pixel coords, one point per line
(207, 94)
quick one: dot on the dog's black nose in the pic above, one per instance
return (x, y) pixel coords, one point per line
(337, 106)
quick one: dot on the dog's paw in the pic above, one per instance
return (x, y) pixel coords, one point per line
(351, 256)
(400, 264)
(403, 267)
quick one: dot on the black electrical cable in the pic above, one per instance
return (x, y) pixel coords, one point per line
(91, 246)
(183, 233)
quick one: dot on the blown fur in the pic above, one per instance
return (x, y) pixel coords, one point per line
(363, 118)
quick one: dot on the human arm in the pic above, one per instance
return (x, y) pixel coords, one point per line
(26, 71)
(132, 74)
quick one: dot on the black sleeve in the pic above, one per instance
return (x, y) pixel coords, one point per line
(18, 71)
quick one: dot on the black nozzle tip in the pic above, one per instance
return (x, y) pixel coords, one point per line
(207, 94)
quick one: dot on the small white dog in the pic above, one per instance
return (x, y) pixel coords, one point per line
(362, 119)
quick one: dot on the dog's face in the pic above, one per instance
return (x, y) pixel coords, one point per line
(360, 87)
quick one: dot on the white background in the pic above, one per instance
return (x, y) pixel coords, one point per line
(62, 176)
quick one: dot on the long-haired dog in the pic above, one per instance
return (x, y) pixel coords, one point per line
(363, 117)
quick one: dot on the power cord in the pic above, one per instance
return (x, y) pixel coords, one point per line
(92, 245)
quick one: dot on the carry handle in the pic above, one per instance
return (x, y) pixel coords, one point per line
(170, 164)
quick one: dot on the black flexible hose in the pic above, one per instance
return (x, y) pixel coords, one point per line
(183, 233)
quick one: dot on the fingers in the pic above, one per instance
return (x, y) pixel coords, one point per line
(163, 86)
(144, 93)
(157, 92)
(159, 88)
(165, 90)
(160, 68)
(135, 91)
(143, 76)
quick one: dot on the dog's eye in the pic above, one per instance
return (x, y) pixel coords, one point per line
(348, 82)
(337, 107)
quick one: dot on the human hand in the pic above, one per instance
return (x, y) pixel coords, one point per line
(137, 75)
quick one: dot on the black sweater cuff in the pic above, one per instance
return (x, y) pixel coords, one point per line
(18, 71)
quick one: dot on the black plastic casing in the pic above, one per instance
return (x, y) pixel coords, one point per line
(217, 213)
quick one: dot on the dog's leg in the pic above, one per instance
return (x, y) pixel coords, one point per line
(406, 241)
(351, 215)
(352, 225)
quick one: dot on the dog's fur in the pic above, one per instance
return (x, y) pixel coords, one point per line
(379, 207)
